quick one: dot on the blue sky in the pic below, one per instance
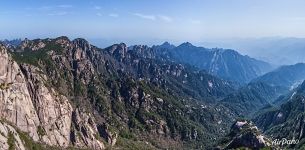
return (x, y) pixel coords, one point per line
(140, 21)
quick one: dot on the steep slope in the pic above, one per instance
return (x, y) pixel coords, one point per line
(286, 121)
(286, 76)
(145, 64)
(9, 137)
(81, 96)
(33, 107)
(225, 63)
(252, 97)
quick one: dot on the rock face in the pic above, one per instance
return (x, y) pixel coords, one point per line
(16, 104)
(244, 134)
(9, 138)
(32, 106)
(54, 111)
(85, 131)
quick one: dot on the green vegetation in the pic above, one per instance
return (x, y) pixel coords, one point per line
(31, 57)
(98, 99)
(29, 143)
(4, 86)
(134, 123)
(128, 144)
(126, 134)
(32, 145)
(11, 141)
(130, 107)
(79, 88)
(41, 132)
(39, 56)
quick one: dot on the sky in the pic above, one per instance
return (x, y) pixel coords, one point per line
(151, 21)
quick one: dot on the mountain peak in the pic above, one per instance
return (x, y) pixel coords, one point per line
(245, 134)
(166, 45)
(186, 44)
(80, 40)
(63, 38)
(83, 43)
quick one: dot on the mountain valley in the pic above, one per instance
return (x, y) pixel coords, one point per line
(62, 93)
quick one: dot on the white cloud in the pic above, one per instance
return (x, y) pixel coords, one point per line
(153, 17)
(165, 18)
(50, 8)
(114, 15)
(58, 13)
(45, 8)
(143, 16)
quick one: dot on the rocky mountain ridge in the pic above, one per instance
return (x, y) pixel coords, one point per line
(245, 135)
(73, 94)
(40, 111)
(224, 63)
(69, 93)
(289, 76)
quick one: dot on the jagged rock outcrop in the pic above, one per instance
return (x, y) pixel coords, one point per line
(110, 136)
(9, 138)
(86, 97)
(16, 104)
(244, 134)
(54, 110)
(85, 132)
(29, 102)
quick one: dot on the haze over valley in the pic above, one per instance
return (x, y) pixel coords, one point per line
(174, 74)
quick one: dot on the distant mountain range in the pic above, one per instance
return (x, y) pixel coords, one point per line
(289, 76)
(275, 50)
(14, 42)
(272, 88)
(224, 63)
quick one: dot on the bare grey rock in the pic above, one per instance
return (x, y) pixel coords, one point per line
(54, 110)
(32, 106)
(15, 101)
(7, 132)
(85, 133)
